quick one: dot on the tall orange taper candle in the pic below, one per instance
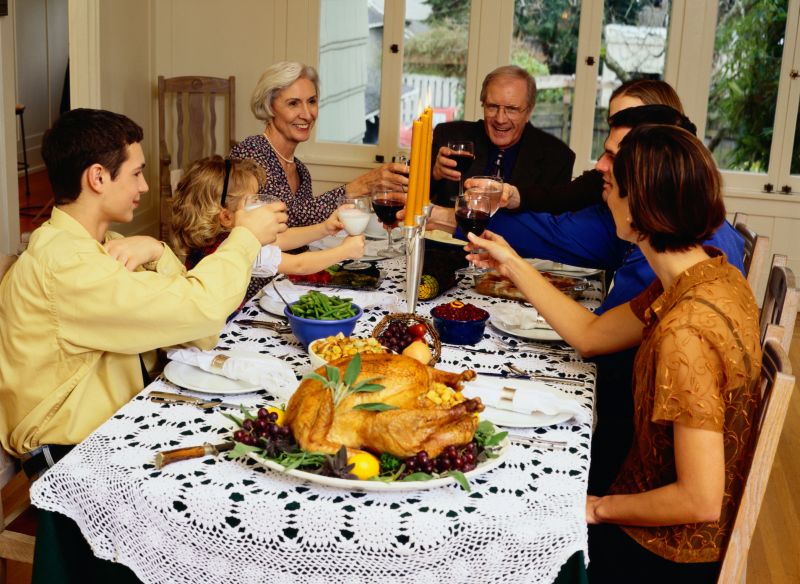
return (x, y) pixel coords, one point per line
(413, 177)
(428, 132)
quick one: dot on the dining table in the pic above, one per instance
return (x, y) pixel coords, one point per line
(108, 513)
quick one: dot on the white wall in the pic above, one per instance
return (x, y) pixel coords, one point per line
(9, 202)
(41, 61)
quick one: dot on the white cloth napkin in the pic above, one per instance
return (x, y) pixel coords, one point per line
(364, 298)
(524, 396)
(519, 317)
(262, 370)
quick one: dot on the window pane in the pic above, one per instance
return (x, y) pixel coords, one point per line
(545, 44)
(350, 40)
(634, 46)
(744, 83)
(434, 62)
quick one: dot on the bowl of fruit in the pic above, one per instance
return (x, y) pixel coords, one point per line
(329, 349)
(458, 323)
(410, 335)
(316, 315)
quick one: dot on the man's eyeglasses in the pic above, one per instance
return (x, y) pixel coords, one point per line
(225, 183)
(512, 111)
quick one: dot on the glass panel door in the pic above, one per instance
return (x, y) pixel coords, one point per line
(434, 62)
(634, 46)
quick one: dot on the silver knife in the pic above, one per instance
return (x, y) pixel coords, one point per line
(166, 397)
(536, 377)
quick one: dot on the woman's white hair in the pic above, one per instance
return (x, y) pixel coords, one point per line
(275, 79)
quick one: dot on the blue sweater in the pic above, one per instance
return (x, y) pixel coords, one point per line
(588, 238)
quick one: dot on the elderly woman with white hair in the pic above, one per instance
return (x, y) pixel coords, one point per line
(286, 98)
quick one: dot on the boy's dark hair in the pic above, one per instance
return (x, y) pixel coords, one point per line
(651, 114)
(80, 138)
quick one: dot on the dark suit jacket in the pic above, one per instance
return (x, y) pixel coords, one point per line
(543, 162)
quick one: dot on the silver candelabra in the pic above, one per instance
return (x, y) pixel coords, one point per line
(414, 236)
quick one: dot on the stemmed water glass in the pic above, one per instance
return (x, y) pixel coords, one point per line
(463, 152)
(491, 186)
(386, 204)
(355, 217)
(254, 202)
(473, 210)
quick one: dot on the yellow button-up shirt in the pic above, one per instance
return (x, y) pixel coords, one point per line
(73, 322)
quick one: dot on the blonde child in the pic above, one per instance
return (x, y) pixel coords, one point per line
(203, 209)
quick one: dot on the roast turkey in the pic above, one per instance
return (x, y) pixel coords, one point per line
(417, 423)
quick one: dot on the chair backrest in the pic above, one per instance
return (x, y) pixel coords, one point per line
(780, 300)
(189, 109)
(777, 383)
(756, 249)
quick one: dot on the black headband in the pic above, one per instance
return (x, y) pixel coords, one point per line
(225, 184)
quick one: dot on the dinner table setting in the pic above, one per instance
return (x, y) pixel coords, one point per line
(213, 518)
(225, 468)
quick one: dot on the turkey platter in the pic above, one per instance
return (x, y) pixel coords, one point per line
(399, 418)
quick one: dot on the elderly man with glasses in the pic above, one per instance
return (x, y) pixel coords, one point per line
(505, 144)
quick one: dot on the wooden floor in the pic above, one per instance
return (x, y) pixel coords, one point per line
(34, 207)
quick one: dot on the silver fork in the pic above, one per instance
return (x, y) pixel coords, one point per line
(506, 346)
(554, 444)
(541, 377)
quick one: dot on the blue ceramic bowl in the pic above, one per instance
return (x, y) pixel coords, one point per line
(460, 332)
(307, 330)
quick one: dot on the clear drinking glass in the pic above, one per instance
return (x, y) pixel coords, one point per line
(473, 210)
(463, 152)
(254, 202)
(386, 204)
(491, 186)
(355, 217)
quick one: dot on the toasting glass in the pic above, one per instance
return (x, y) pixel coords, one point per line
(473, 210)
(463, 152)
(355, 217)
(386, 203)
(253, 202)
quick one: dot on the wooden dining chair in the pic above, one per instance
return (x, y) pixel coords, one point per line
(18, 537)
(189, 109)
(777, 383)
(756, 249)
(780, 300)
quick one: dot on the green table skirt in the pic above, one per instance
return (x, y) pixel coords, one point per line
(63, 556)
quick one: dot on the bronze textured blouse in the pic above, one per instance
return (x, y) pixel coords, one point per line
(698, 365)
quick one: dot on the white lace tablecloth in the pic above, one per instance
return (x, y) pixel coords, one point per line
(216, 520)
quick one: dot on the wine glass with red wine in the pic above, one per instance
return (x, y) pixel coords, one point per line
(463, 152)
(473, 211)
(386, 204)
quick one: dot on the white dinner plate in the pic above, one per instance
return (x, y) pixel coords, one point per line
(560, 269)
(536, 334)
(509, 419)
(196, 379)
(274, 307)
(356, 485)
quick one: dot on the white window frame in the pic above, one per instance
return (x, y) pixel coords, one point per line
(688, 65)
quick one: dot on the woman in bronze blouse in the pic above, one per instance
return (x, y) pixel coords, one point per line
(673, 503)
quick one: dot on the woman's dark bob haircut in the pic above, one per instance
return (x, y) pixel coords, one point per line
(674, 186)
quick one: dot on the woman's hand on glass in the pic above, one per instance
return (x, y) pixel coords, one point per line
(392, 176)
(497, 253)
